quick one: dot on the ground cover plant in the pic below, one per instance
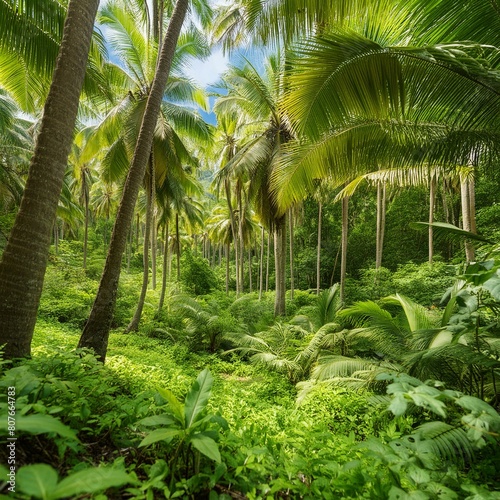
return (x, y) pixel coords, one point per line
(167, 417)
(226, 289)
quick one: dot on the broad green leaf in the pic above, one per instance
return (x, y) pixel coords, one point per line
(477, 405)
(207, 446)
(175, 405)
(37, 481)
(493, 286)
(197, 397)
(160, 435)
(90, 481)
(429, 402)
(398, 405)
(41, 424)
(163, 419)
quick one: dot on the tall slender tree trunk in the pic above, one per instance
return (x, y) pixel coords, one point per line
(432, 203)
(280, 266)
(261, 264)
(227, 186)
(290, 226)
(178, 245)
(381, 190)
(96, 331)
(318, 248)
(268, 259)
(24, 260)
(250, 281)
(164, 271)
(134, 323)
(240, 236)
(466, 217)
(154, 249)
(343, 259)
(228, 248)
(86, 231)
(56, 236)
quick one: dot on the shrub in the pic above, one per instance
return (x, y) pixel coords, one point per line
(197, 274)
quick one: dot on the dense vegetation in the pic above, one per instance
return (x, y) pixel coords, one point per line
(231, 293)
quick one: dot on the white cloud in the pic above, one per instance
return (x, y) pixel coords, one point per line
(208, 72)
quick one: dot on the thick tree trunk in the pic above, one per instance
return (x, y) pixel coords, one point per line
(280, 266)
(96, 331)
(24, 260)
(318, 249)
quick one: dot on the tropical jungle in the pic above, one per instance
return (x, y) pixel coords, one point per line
(250, 249)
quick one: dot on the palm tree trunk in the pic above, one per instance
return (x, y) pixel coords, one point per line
(178, 245)
(318, 249)
(240, 236)
(280, 264)
(261, 264)
(96, 331)
(164, 270)
(154, 249)
(134, 323)
(380, 224)
(343, 260)
(228, 247)
(432, 202)
(290, 225)
(227, 186)
(250, 284)
(24, 260)
(268, 259)
(466, 217)
(86, 232)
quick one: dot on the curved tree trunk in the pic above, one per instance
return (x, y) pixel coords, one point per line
(96, 331)
(24, 259)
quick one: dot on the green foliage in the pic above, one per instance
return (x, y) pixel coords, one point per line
(186, 429)
(424, 283)
(255, 314)
(197, 274)
(41, 481)
(67, 294)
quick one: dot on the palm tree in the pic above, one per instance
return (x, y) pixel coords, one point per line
(24, 259)
(96, 331)
(411, 119)
(117, 133)
(259, 98)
